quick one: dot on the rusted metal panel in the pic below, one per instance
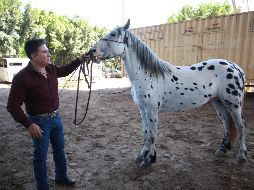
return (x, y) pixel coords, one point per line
(229, 37)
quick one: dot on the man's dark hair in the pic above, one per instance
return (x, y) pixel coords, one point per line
(32, 45)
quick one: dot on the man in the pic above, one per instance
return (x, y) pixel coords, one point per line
(37, 87)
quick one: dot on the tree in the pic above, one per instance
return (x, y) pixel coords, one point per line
(66, 37)
(205, 10)
(10, 17)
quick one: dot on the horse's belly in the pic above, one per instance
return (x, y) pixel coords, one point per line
(178, 105)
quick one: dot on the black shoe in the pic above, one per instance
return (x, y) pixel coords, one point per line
(67, 182)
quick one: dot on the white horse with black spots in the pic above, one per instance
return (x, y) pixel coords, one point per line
(157, 86)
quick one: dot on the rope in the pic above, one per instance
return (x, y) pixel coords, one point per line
(89, 59)
(89, 84)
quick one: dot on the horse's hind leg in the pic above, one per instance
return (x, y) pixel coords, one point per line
(226, 120)
(240, 125)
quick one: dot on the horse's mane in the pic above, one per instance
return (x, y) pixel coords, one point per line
(148, 60)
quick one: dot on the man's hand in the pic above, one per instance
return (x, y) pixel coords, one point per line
(84, 58)
(35, 131)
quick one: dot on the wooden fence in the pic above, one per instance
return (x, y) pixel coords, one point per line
(229, 37)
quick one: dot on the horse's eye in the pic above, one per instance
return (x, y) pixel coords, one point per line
(113, 34)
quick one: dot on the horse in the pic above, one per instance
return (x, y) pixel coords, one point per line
(158, 86)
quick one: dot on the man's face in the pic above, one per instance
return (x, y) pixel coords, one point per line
(42, 56)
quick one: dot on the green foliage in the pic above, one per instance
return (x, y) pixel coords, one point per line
(66, 37)
(10, 17)
(204, 10)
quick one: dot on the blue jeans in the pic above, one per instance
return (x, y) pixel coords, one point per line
(52, 128)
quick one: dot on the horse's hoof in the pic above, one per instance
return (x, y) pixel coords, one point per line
(220, 153)
(241, 158)
(138, 160)
(144, 165)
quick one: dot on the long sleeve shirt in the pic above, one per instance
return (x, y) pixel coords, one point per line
(39, 94)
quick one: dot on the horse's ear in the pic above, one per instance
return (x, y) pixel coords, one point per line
(126, 26)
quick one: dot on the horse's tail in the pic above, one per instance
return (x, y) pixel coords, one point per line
(232, 130)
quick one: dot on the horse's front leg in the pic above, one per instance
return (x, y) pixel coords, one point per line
(147, 155)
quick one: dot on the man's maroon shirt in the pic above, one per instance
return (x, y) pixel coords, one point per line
(39, 94)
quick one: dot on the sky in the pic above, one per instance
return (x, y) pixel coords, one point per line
(112, 13)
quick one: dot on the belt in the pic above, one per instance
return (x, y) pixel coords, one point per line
(51, 114)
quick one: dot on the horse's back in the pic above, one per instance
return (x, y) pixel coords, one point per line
(228, 77)
(194, 85)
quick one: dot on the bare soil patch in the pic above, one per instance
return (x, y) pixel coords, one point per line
(100, 151)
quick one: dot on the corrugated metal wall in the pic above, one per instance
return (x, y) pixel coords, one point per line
(228, 37)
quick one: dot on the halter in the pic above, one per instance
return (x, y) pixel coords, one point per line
(125, 41)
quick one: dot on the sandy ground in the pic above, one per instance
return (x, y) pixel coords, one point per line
(100, 151)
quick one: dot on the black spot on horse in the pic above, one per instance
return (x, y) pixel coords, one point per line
(229, 76)
(145, 96)
(186, 88)
(228, 102)
(238, 84)
(236, 106)
(151, 86)
(204, 63)
(204, 86)
(230, 70)
(152, 139)
(195, 83)
(178, 68)
(191, 89)
(182, 93)
(165, 93)
(228, 90)
(211, 67)
(159, 104)
(149, 95)
(231, 86)
(175, 78)
(205, 96)
(172, 80)
(193, 68)
(151, 120)
(210, 95)
(200, 68)
(193, 103)
(177, 88)
(210, 84)
(235, 93)
(223, 63)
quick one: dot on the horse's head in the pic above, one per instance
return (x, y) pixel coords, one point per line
(113, 44)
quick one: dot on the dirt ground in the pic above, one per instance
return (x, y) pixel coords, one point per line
(100, 151)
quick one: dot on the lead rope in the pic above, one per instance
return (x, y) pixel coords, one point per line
(89, 84)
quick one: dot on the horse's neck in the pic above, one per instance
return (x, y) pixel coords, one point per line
(132, 65)
(135, 68)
